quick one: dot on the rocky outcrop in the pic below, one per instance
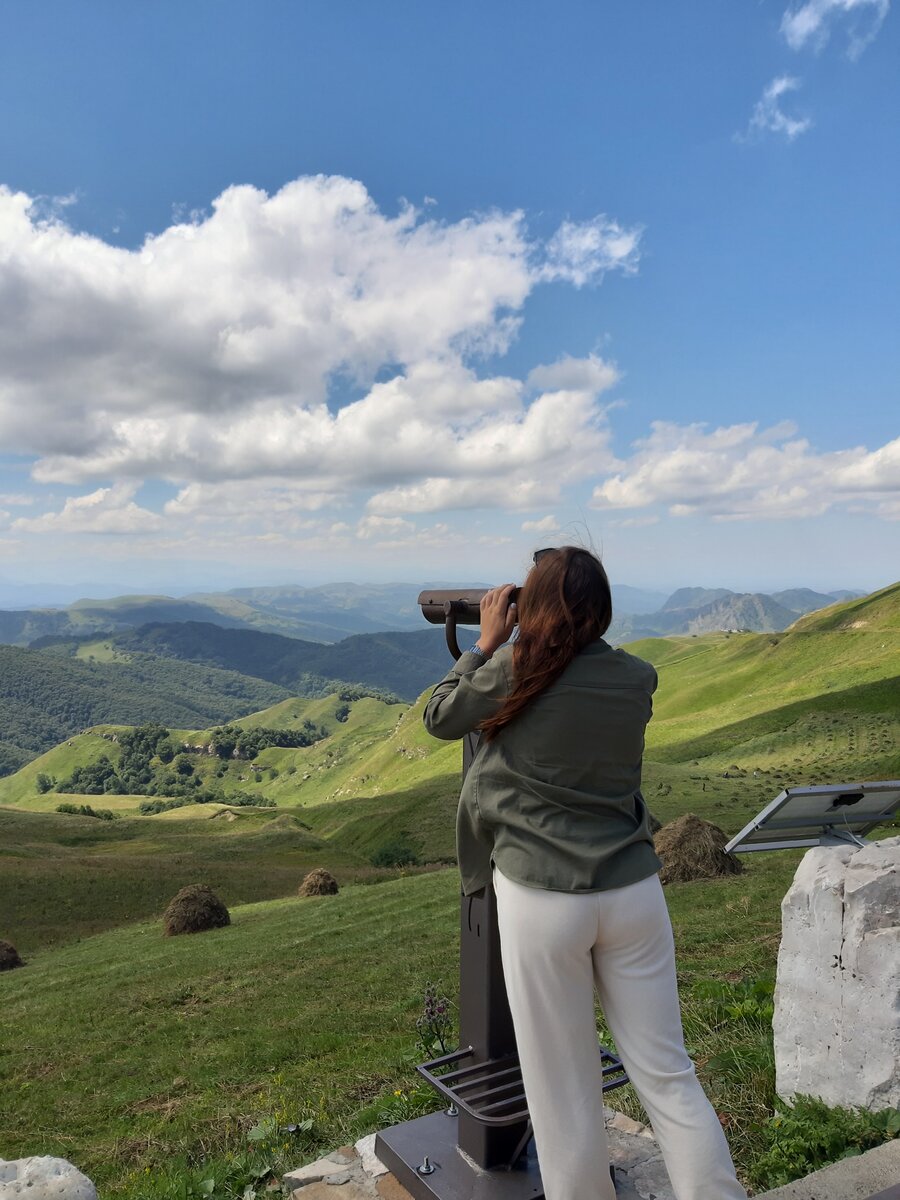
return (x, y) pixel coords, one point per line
(837, 999)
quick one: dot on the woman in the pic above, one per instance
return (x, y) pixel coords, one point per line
(552, 806)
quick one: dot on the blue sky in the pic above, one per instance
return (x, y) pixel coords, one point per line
(343, 290)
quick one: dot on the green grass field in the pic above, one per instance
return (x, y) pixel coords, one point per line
(132, 1050)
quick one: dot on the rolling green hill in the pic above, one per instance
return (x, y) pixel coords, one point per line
(767, 709)
(45, 698)
(823, 696)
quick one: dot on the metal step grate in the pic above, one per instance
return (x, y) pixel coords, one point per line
(492, 1091)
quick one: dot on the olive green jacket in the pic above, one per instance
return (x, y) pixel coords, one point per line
(554, 800)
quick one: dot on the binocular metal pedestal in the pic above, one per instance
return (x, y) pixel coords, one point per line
(478, 1148)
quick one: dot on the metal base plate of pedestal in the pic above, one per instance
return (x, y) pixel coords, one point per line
(455, 1176)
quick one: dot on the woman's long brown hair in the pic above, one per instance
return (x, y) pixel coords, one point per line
(564, 604)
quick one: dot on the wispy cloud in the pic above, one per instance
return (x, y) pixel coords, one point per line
(548, 524)
(582, 252)
(809, 25)
(768, 115)
(805, 26)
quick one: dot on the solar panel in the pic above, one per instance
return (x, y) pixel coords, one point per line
(819, 816)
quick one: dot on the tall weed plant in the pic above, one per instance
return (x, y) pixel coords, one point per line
(806, 1135)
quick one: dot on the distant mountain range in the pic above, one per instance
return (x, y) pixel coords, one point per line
(325, 614)
(707, 610)
(336, 611)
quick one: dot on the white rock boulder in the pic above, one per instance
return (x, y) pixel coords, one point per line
(44, 1178)
(837, 998)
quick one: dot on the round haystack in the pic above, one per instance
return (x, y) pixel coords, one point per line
(691, 848)
(318, 883)
(9, 956)
(195, 908)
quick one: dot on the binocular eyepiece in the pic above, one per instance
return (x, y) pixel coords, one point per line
(452, 607)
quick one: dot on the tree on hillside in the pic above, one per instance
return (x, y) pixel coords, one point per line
(93, 779)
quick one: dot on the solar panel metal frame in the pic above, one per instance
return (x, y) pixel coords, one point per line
(821, 822)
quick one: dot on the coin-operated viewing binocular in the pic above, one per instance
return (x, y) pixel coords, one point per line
(455, 606)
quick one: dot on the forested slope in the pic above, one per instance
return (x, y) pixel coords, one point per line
(400, 663)
(45, 698)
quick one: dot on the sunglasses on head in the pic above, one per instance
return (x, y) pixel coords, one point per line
(539, 554)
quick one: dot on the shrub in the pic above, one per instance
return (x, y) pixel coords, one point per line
(44, 782)
(194, 909)
(396, 853)
(183, 765)
(807, 1135)
(318, 882)
(166, 750)
(85, 810)
(9, 956)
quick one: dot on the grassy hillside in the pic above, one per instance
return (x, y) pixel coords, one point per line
(133, 1054)
(823, 695)
(736, 718)
(67, 877)
(377, 749)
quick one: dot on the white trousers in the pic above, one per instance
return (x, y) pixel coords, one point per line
(557, 947)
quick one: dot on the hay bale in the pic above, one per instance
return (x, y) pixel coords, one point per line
(691, 848)
(9, 956)
(318, 883)
(195, 908)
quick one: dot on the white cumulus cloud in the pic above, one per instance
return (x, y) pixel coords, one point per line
(305, 339)
(569, 374)
(107, 510)
(740, 471)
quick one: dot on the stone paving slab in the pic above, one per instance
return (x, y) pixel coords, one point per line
(354, 1172)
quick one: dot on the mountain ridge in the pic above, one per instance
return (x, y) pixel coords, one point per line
(330, 612)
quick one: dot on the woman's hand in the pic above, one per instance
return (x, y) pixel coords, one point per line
(498, 618)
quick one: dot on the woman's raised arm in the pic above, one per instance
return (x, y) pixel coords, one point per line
(470, 692)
